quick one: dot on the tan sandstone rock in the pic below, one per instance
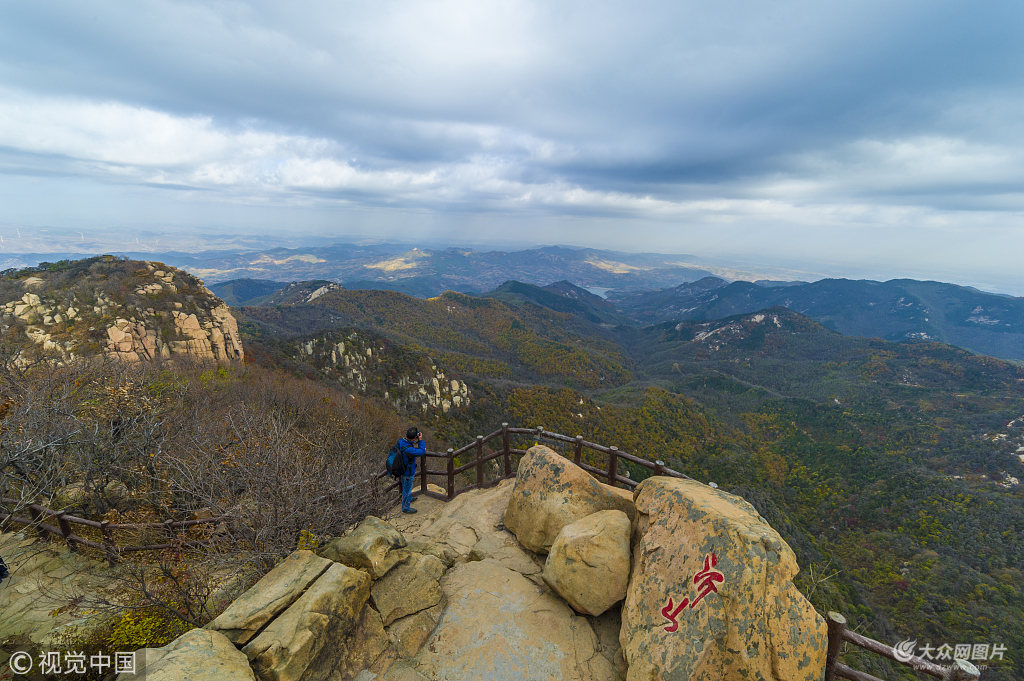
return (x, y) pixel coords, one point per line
(375, 546)
(502, 546)
(753, 623)
(410, 633)
(197, 655)
(588, 564)
(498, 625)
(365, 649)
(288, 648)
(551, 492)
(442, 552)
(461, 522)
(408, 588)
(278, 589)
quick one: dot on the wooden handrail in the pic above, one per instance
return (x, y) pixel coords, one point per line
(610, 475)
(958, 670)
(113, 552)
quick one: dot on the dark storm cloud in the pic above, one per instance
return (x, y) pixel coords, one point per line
(731, 119)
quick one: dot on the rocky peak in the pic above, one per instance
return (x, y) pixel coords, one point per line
(136, 310)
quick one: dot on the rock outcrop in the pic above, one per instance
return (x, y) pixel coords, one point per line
(275, 592)
(370, 364)
(135, 310)
(197, 655)
(288, 649)
(408, 588)
(366, 649)
(588, 564)
(500, 625)
(552, 492)
(374, 546)
(711, 596)
(45, 576)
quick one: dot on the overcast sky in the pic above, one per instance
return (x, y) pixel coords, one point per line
(882, 134)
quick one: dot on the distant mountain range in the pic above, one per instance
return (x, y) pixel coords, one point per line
(426, 273)
(897, 310)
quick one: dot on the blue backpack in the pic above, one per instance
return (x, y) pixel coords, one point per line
(396, 462)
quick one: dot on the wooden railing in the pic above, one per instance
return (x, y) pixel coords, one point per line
(958, 670)
(39, 514)
(609, 475)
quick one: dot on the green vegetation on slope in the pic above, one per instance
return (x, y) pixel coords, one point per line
(890, 468)
(483, 337)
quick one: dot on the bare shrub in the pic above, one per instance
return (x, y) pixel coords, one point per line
(292, 457)
(94, 424)
(287, 461)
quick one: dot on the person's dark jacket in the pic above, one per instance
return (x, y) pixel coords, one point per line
(411, 450)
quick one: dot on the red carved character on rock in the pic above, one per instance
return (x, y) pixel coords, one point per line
(705, 580)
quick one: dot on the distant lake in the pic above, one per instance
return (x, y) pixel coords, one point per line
(603, 292)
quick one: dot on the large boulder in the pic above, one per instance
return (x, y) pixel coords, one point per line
(409, 588)
(552, 492)
(278, 589)
(375, 546)
(501, 626)
(711, 595)
(588, 565)
(288, 648)
(197, 655)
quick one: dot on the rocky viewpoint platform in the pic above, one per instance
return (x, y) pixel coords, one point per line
(675, 581)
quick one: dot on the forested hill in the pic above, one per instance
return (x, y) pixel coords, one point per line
(891, 468)
(897, 310)
(477, 336)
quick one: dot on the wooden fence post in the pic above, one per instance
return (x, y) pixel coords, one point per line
(836, 626)
(659, 467)
(506, 448)
(108, 543)
(65, 529)
(579, 450)
(479, 464)
(540, 432)
(451, 474)
(423, 474)
(613, 465)
(168, 530)
(37, 518)
(962, 670)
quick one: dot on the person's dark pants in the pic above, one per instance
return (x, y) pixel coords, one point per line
(407, 482)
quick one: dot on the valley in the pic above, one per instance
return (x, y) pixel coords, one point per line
(891, 468)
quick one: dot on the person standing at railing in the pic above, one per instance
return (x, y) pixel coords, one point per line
(410, 447)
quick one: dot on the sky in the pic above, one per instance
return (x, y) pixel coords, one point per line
(886, 136)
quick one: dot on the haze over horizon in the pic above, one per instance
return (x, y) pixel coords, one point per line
(881, 138)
